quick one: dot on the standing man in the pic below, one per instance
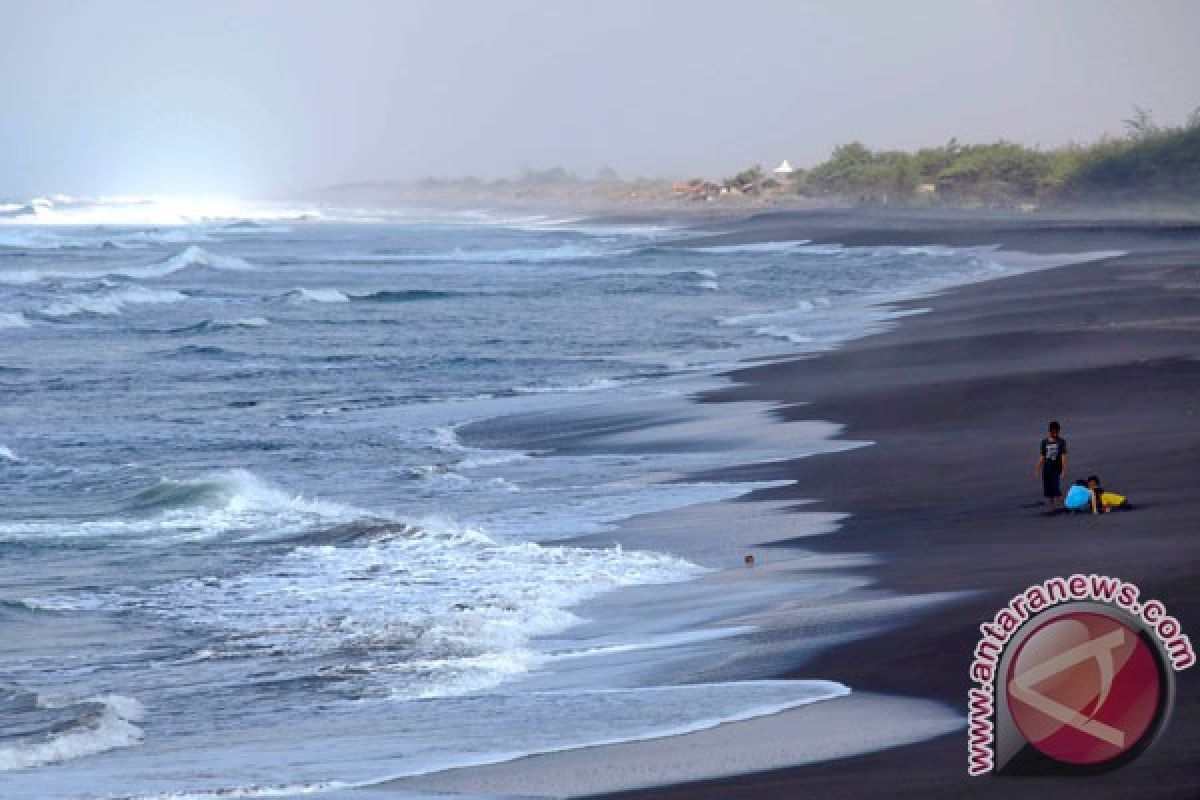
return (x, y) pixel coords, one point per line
(1052, 464)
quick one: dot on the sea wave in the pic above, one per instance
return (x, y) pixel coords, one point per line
(406, 295)
(78, 239)
(524, 255)
(191, 256)
(188, 234)
(111, 303)
(808, 321)
(708, 278)
(793, 246)
(302, 295)
(220, 325)
(13, 319)
(801, 308)
(131, 210)
(195, 256)
(233, 502)
(464, 606)
(19, 239)
(7, 454)
(234, 491)
(593, 385)
(53, 733)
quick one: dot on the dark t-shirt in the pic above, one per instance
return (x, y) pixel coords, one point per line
(1053, 452)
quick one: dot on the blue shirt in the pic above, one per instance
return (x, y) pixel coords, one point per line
(1078, 498)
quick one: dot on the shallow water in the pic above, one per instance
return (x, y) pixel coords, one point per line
(243, 546)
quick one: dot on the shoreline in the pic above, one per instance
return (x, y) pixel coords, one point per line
(951, 400)
(761, 383)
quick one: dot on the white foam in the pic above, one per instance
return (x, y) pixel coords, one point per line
(776, 332)
(112, 303)
(593, 385)
(156, 210)
(796, 246)
(192, 256)
(187, 234)
(13, 319)
(112, 727)
(7, 454)
(801, 308)
(317, 296)
(463, 606)
(248, 792)
(492, 458)
(247, 322)
(232, 501)
(195, 256)
(819, 324)
(593, 228)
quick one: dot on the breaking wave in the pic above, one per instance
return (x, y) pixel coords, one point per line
(128, 210)
(464, 607)
(233, 501)
(111, 303)
(191, 256)
(53, 733)
(406, 295)
(302, 295)
(195, 256)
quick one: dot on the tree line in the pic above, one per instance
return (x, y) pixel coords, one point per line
(1148, 164)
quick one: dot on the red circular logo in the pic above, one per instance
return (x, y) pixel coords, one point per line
(1084, 688)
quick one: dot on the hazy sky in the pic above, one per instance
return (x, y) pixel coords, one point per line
(250, 98)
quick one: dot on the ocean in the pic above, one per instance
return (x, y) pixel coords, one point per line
(249, 547)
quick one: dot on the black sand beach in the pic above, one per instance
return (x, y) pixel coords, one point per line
(955, 401)
(945, 522)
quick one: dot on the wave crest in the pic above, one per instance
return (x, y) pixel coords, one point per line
(191, 256)
(231, 502)
(196, 256)
(302, 295)
(94, 725)
(406, 295)
(112, 303)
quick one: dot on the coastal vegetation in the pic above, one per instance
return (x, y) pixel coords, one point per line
(1149, 164)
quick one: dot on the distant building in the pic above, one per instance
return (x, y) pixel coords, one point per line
(696, 189)
(784, 169)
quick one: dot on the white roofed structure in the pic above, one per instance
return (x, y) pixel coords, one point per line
(784, 168)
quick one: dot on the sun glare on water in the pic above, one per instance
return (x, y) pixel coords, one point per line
(148, 210)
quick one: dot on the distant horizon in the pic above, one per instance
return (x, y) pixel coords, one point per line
(276, 98)
(519, 173)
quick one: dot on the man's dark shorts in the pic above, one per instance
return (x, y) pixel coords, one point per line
(1050, 483)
